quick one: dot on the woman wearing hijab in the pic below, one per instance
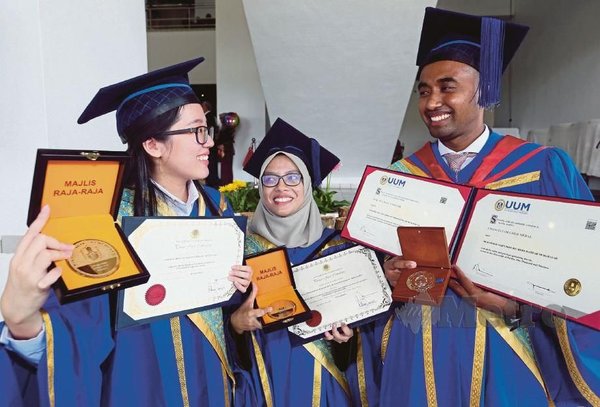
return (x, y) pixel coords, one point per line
(288, 165)
(176, 361)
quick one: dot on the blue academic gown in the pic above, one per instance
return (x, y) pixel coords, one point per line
(78, 341)
(10, 385)
(87, 364)
(285, 372)
(177, 361)
(459, 355)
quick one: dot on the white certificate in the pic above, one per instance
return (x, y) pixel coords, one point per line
(345, 287)
(387, 199)
(544, 251)
(188, 259)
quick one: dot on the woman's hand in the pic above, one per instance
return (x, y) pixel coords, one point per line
(241, 276)
(479, 297)
(394, 266)
(245, 318)
(29, 282)
(340, 333)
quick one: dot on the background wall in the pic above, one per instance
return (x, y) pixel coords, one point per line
(55, 56)
(556, 73)
(166, 47)
(339, 71)
(238, 84)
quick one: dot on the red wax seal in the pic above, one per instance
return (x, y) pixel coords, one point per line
(315, 319)
(155, 294)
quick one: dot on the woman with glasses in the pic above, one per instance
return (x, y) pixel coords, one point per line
(288, 165)
(177, 361)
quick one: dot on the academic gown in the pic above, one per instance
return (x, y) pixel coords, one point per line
(284, 372)
(171, 362)
(178, 361)
(459, 355)
(77, 341)
(12, 383)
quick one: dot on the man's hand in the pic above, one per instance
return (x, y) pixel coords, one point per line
(394, 266)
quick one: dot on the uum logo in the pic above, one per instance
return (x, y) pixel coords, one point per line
(513, 206)
(392, 181)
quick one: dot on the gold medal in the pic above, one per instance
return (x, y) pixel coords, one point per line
(421, 281)
(572, 287)
(94, 258)
(282, 309)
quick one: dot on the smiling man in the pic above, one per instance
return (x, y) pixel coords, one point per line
(461, 354)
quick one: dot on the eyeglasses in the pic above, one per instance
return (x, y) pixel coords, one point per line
(291, 179)
(201, 132)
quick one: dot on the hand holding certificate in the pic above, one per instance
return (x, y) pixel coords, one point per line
(539, 250)
(189, 261)
(345, 287)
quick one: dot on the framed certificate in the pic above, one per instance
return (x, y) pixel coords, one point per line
(347, 287)
(189, 260)
(539, 250)
(386, 199)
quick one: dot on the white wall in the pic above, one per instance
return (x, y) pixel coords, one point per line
(238, 84)
(55, 56)
(167, 47)
(556, 73)
(477, 7)
(340, 71)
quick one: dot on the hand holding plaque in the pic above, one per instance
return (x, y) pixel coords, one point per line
(277, 290)
(426, 283)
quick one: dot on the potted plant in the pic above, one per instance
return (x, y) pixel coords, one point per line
(242, 195)
(328, 206)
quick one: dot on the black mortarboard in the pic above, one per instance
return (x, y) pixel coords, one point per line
(487, 44)
(284, 137)
(141, 99)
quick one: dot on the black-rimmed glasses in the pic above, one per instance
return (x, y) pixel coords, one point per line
(201, 132)
(291, 179)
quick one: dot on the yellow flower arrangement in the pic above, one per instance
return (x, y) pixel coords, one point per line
(242, 195)
(234, 186)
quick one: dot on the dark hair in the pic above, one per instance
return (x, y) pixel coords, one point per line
(138, 178)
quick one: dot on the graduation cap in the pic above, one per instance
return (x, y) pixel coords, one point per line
(141, 99)
(485, 43)
(284, 137)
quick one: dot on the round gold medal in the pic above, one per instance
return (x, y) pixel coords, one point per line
(421, 281)
(94, 258)
(282, 309)
(572, 287)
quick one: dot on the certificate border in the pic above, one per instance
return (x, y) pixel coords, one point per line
(465, 191)
(593, 319)
(122, 319)
(361, 317)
